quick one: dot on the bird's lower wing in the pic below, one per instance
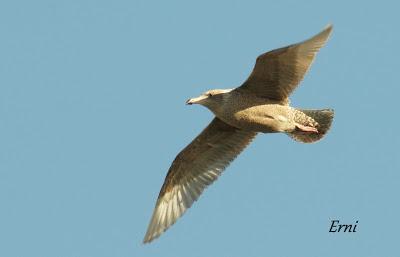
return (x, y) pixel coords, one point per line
(194, 168)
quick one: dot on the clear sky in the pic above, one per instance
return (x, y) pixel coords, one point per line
(92, 112)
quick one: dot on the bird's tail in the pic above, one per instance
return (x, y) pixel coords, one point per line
(321, 119)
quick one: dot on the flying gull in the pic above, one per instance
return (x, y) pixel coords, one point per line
(260, 104)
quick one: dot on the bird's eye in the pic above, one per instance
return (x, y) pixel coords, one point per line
(209, 95)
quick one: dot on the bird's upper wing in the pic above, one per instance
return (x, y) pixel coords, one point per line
(277, 73)
(193, 169)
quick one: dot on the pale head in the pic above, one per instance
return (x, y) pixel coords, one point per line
(211, 99)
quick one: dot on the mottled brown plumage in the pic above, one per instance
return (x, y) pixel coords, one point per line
(260, 105)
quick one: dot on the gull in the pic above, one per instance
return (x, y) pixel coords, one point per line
(259, 105)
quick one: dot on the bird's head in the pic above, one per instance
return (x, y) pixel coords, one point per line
(211, 99)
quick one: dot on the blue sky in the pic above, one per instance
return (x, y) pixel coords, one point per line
(92, 113)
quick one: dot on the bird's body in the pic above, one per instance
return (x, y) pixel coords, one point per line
(260, 104)
(250, 112)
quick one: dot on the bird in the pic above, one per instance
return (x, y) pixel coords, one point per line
(260, 105)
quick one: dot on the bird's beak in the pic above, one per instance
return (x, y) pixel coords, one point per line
(195, 100)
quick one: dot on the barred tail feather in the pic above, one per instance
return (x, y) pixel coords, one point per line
(322, 117)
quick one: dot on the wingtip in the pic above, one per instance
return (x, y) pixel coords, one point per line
(150, 236)
(148, 239)
(327, 29)
(324, 35)
(329, 26)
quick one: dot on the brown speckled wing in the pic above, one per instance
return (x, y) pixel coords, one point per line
(198, 165)
(277, 73)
